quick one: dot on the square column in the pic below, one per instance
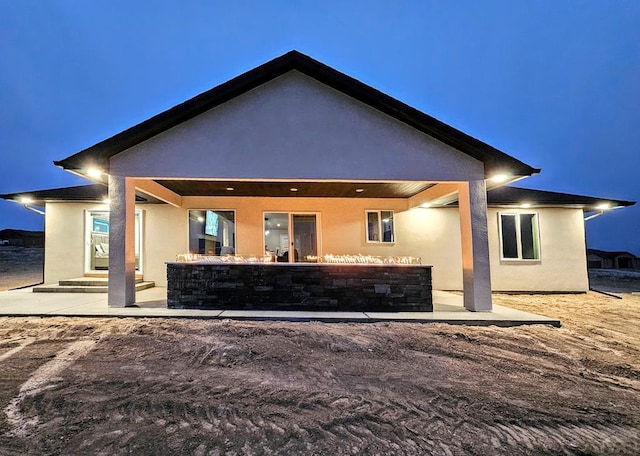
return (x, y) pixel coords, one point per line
(476, 270)
(122, 257)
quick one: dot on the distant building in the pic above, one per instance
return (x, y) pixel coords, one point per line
(22, 238)
(600, 259)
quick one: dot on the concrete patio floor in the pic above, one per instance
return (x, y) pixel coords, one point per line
(448, 308)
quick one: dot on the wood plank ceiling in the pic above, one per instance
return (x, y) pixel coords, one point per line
(303, 189)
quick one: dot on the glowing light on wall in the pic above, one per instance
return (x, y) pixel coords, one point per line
(94, 172)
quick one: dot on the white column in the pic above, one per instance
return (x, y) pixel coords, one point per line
(476, 270)
(122, 257)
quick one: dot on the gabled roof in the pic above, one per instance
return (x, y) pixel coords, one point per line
(509, 196)
(495, 161)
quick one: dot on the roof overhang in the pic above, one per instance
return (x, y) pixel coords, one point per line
(516, 197)
(504, 197)
(95, 193)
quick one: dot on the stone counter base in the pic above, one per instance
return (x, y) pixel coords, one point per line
(319, 287)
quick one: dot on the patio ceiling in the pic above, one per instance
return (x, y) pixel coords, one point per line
(303, 189)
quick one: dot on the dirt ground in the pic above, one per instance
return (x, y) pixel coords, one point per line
(204, 387)
(198, 387)
(20, 266)
(615, 280)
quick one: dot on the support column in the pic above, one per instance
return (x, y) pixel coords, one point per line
(122, 256)
(476, 270)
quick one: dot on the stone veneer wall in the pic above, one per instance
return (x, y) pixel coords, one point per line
(320, 287)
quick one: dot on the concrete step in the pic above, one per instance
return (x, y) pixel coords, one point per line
(85, 289)
(89, 282)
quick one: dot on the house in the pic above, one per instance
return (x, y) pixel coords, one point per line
(300, 162)
(600, 259)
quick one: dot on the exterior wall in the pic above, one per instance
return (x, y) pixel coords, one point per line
(164, 236)
(64, 240)
(295, 127)
(563, 261)
(432, 234)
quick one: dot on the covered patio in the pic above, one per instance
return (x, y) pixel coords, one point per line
(294, 134)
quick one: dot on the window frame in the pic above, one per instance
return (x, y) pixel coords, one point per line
(536, 237)
(380, 231)
(235, 243)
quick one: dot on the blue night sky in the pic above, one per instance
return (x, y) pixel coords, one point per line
(553, 83)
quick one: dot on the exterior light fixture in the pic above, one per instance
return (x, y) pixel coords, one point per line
(525, 205)
(293, 189)
(603, 206)
(359, 190)
(499, 178)
(26, 200)
(94, 172)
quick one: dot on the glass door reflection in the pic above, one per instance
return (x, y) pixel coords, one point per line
(291, 238)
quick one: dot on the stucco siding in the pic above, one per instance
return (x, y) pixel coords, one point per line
(294, 127)
(432, 234)
(562, 265)
(65, 240)
(164, 237)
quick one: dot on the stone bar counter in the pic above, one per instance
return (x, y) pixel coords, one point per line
(299, 286)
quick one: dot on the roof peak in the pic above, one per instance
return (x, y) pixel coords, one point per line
(99, 155)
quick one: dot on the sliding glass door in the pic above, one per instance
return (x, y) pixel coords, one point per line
(305, 238)
(291, 238)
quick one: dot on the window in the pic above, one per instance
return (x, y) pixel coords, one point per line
(519, 235)
(380, 226)
(212, 232)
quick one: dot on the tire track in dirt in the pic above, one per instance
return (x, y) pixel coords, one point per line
(46, 376)
(246, 388)
(21, 343)
(357, 425)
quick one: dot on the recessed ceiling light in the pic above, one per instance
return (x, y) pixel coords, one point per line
(278, 225)
(359, 190)
(525, 205)
(604, 206)
(230, 189)
(425, 205)
(26, 200)
(293, 189)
